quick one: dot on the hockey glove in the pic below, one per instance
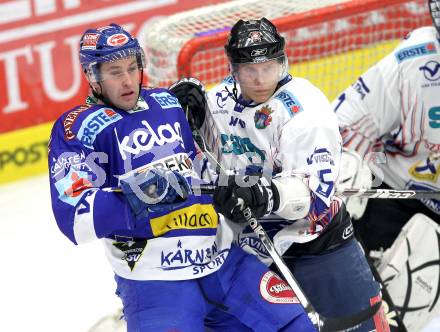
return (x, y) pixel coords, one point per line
(155, 190)
(258, 197)
(191, 95)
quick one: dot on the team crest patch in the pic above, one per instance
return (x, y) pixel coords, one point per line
(132, 251)
(263, 117)
(275, 290)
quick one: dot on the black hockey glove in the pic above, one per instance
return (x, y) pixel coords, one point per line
(258, 197)
(191, 95)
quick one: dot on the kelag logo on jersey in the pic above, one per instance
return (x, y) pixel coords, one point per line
(95, 123)
(415, 51)
(165, 100)
(431, 70)
(143, 139)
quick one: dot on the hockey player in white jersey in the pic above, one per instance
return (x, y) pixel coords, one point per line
(393, 110)
(171, 252)
(278, 138)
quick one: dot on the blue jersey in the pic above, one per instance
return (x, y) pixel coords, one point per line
(93, 147)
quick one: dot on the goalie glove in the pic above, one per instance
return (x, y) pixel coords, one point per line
(191, 95)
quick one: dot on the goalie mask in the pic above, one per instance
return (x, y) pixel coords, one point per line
(434, 9)
(256, 54)
(107, 44)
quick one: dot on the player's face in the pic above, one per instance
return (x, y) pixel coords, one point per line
(258, 81)
(120, 82)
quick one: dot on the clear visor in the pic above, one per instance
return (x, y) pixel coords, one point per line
(260, 75)
(117, 65)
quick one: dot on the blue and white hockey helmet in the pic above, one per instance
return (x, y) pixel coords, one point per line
(434, 9)
(107, 44)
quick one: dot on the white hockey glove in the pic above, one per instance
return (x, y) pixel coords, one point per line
(354, 173)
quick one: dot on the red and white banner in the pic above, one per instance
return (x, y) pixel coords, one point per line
(39, 68)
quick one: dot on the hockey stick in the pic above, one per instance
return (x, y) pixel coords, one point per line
(322, 324)
(389, 193)
(364, 193)
(351, 192)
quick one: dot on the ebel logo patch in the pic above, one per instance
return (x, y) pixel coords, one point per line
(415, 51)
(431, 70)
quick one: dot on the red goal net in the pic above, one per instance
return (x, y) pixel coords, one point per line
(329, 42)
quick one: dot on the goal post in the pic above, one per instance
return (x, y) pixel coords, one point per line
(329, 42)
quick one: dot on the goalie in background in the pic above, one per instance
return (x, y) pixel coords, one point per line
(172, 254)
(278, 138)
(392, 113)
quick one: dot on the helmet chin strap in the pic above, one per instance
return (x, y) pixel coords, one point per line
(107, 101)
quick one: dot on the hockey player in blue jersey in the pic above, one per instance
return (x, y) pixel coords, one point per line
(171, 252)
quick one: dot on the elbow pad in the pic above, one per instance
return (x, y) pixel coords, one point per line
(293, 197)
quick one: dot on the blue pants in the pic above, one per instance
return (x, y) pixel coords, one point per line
(242, 296)
(337, 288)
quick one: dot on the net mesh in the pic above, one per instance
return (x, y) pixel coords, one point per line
(329, 42)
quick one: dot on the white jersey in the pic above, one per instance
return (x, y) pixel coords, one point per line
(294, 133)
(394, 108)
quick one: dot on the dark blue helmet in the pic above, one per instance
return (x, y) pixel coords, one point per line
(434, 9)
(106, 44)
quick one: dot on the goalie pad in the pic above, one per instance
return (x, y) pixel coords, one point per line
(410, 270)
(354, 173)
